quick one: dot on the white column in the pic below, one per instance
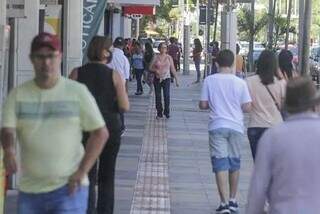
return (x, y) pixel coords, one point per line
(2, 47)
(72, 35)
(127, 28)
(228, 30)
(116, 25)
(26, 29)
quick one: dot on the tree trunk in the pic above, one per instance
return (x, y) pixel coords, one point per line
(272, 12)
(305, 70)
(215, 20)
(288, 24)
(251, 45)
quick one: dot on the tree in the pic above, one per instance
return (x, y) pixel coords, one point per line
(288, 24)
(246, 26)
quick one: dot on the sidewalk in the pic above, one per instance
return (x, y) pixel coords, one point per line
(163, 165)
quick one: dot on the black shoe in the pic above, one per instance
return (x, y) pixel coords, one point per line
(159, 116)
(138, 93)
(167, 116)
(233, 206)
(223, 209)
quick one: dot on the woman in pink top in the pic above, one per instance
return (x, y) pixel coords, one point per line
(162, 65)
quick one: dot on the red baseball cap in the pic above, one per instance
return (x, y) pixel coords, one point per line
(45, 40)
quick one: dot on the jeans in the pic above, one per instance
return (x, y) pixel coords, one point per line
(139, 74)
(254, 135)
(165, 86)
(55, 202)
(214, 68)
(197, 64)
(225, 145)
(103, 174)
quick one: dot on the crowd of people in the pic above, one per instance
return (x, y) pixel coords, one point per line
(69, 129)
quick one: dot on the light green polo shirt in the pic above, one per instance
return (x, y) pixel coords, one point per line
(49, 124)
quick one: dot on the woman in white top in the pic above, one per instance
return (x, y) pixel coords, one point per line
(162, 65)
(267, 93)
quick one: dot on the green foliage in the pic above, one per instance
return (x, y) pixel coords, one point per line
(246, 27)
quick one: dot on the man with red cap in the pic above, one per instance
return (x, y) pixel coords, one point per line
(48, 114)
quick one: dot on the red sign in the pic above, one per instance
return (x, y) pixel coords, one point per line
(144, 10)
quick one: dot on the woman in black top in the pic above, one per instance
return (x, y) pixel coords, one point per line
(109, 92)
(147, 59)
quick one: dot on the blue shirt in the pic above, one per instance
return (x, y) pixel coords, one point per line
(137, 61)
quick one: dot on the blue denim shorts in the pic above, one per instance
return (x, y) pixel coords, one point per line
(225, 147)
(56, 202)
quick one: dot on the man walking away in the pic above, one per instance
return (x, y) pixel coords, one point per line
(49, 114)
(227, 97)
(121, 64)
(286, 169)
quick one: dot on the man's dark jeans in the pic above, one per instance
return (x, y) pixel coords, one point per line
(165, 86)
(139, 74)
(254, 135)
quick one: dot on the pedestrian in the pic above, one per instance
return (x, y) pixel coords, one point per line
(49, 114)
(227, 97)
(215, 52)
(196, 55)
(240, 63)
(267, 93)
(286, 65)
(173, 51)
(147, 59)
(162, 65)
(285, 172)
(138, 66)
(109, 91)
(120, 64)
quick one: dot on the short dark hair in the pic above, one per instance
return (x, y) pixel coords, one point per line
(96, 47)
(119, 42)
(160, 45)
(225, 58)
(172, 40)
(267, 67)
(238, 49)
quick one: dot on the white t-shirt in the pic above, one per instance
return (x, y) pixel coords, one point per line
(225, 94)
(120, 63)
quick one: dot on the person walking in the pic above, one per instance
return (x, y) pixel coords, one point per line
(109, 91)
(173, 51)
(147, 59)
(267, 93)
(286, 65)
(240, 64)
(120, 64)
(285, 172)
(215, 52)
(227, 97)
(162, 65)
(49, 114)
(196, 55)
(138, 67)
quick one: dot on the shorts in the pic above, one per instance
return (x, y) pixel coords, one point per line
(225, 147)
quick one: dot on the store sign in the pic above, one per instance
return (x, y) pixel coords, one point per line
(15, 8)
(203, 15)
(93, 12)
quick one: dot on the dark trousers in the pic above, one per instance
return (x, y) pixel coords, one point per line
(254, 135)
(165, 86)
(103, 175)
(139, 74)
(197, 65)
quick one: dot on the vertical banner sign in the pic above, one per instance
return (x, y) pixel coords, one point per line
(93, 12)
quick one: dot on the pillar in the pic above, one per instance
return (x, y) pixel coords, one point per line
(72, 35)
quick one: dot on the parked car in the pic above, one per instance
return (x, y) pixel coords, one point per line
(315, 61)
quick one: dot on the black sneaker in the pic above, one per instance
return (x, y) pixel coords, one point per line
(159, 116)
(223, 209)
(167, 116)
(233, 206)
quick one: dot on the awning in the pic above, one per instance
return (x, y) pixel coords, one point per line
(143, 10)
(135, 2)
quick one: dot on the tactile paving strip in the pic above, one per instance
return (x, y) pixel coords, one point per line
(151, 191)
